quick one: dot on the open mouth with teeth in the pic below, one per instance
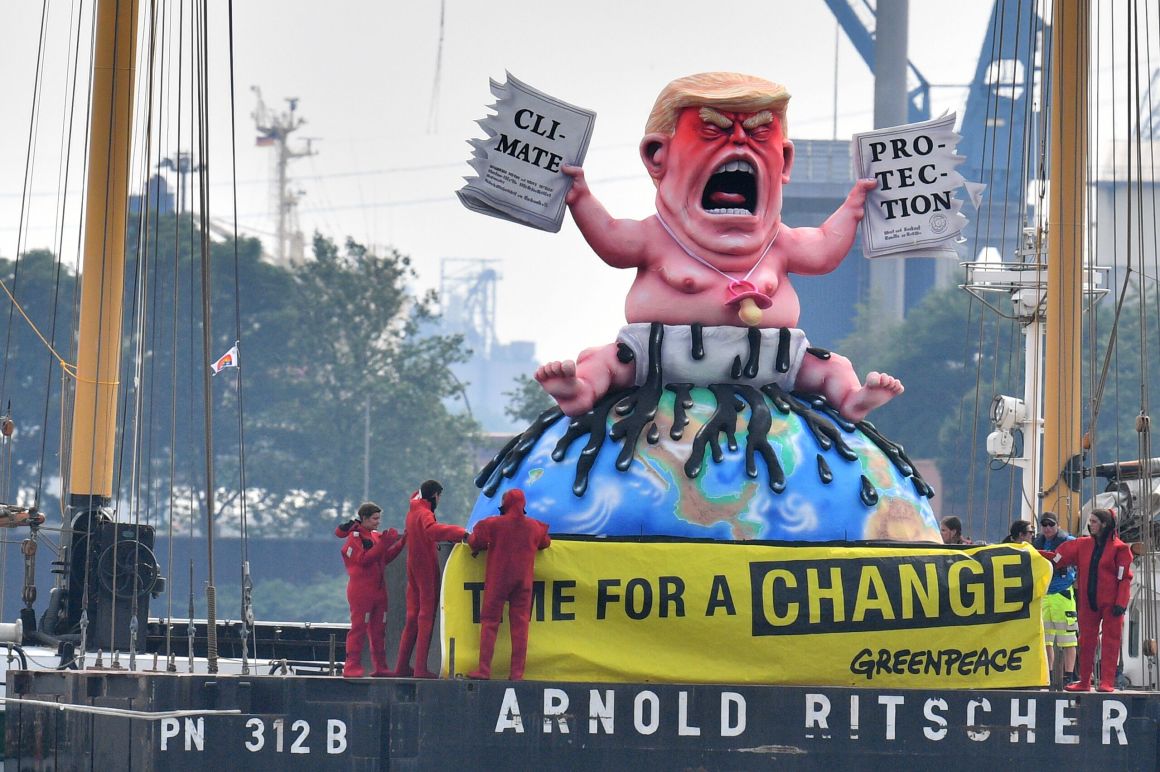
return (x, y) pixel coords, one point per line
(732, 189)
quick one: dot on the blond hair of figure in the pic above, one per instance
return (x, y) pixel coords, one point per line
(721, 90)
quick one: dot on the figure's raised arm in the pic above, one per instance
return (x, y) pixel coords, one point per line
(620, 243)
(437, 531)
(1066, 554)
(820, 250)
(480, 538)
(395, 544)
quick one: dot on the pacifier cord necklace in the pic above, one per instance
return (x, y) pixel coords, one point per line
(705, 262)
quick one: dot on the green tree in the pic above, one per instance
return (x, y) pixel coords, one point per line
(1115, 397)
(526, 400)
(319, 599)
(947, 351)
(333, 352)
(44, 291)
(954, 355)
(356, 364)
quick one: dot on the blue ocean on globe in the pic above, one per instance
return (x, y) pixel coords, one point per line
(682, 474)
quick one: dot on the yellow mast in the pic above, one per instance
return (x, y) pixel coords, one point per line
(106, 201)
(1068, 127)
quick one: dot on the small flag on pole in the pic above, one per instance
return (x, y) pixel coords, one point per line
(228, 359)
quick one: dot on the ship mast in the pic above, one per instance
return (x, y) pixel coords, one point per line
(1067, 171)
(106, 200)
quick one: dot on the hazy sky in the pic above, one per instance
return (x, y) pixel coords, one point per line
(391, 135)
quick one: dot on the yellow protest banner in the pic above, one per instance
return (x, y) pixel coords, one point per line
(919, 616)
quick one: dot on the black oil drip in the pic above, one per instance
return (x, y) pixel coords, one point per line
(639, 407)
(757, 441)
(781, 364)
(638, 404)
(820, 404)
(723, 420)
(753, 361)
(898, 457)
(682, 402)
(698, 341)
(654, 434)
(592, 423)
(892, 450)
(820, 353)
(921, 486)
(824, 472)
(508, 460)
(825, 433)
(868, 495)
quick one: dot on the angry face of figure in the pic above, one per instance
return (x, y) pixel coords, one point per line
(719, 178)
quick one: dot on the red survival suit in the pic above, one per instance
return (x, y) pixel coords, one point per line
(422, 533)
(511, 539)
(366, 554)
(1113, 585)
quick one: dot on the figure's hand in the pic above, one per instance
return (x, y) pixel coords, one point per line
(579, 186)
(392, 534)
(1118, 611)
(856, 201)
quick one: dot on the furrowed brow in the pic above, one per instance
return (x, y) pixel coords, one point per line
(709, 115)
(758, 119)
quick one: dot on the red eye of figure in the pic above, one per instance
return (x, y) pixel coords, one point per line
(760, 134)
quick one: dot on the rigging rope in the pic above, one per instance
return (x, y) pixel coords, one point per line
(202, 48)
(171, 663)
(15, 304)
(67, 140)
(433, 110)
(33, 120)
(137, 395)
(247, 609)
(24, 198)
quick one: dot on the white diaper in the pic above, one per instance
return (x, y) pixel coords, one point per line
(726, 350)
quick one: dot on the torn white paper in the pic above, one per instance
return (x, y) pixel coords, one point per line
(913, 212)
(518, 163)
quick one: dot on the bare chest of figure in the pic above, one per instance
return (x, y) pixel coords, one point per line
(678, 290)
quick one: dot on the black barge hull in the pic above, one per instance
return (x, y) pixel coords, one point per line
(102, 720)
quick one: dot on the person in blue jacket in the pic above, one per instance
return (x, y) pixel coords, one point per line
(1060, 624)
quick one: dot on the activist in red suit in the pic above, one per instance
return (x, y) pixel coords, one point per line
(366, 553)
(422, 533)
(1104, 565)
(511, 539)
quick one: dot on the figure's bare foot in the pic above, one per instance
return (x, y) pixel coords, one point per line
(573, 395)
(879, 389)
